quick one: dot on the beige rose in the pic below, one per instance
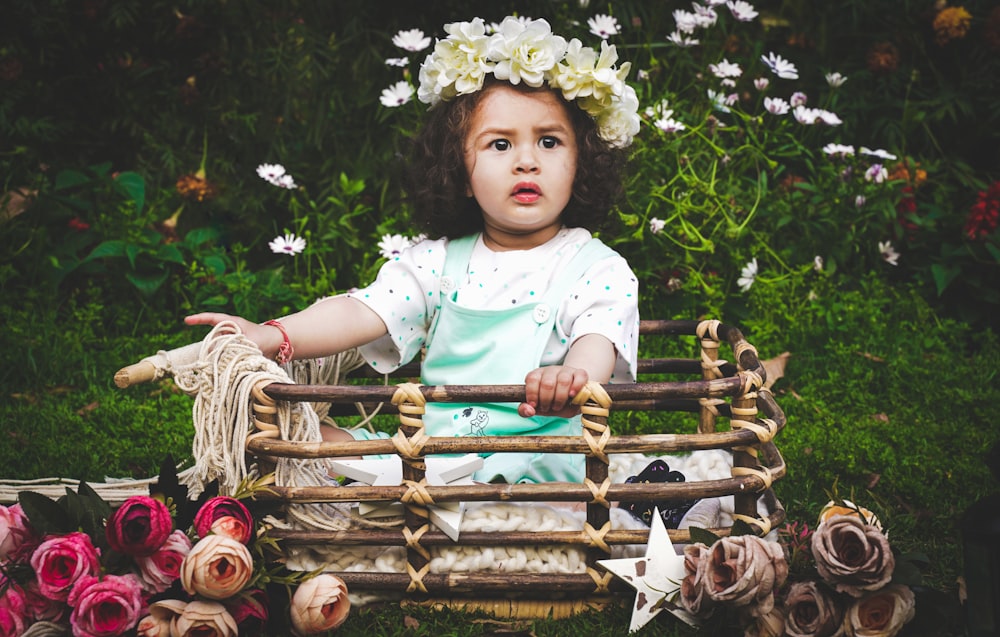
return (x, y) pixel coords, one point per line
(851, 555)
(812, 611)
(204, 619)
(744, 571)
(319, 604)
(694, 593)
(217, 567)
(882, 613)
(160, 618)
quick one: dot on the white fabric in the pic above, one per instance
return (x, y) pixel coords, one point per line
(405, 295)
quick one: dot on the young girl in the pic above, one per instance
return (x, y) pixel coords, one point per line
(520, 155)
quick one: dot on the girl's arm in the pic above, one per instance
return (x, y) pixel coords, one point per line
(549, 391)
(328, 327)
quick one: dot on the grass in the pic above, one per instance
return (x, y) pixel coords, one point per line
(886, 402)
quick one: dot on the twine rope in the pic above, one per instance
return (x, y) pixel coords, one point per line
(600, 493)
(594, 400)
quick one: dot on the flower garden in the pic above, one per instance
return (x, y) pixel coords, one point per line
(824, 177)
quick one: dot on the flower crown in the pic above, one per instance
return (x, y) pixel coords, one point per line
(531, 53)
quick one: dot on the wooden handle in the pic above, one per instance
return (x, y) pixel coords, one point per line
(141, 372)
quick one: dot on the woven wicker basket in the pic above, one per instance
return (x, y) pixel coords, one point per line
(727, 401)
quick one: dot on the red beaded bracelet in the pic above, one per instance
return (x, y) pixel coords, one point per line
(285, 350)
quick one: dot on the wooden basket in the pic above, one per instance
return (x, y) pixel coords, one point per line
(733, 411)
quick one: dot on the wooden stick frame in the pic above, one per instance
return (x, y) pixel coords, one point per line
(730, 391)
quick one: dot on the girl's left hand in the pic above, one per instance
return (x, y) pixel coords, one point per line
(549, 391)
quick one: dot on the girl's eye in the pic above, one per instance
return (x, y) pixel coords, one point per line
(548, 142)
(500, 144)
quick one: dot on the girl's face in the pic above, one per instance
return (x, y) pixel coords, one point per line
(520, 155)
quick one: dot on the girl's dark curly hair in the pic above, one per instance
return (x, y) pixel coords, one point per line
(436, 178)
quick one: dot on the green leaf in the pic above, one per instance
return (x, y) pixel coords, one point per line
(215, 264)
(114, 248)
(703, 536)
(197, 236)
(70, 178)
(147, 284)
(741, 528)
(132, 251)
(94, 500)
(135, 186)
(169, 252)
(943, 276)
(45, 514)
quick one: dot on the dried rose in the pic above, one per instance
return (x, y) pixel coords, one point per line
(694, 592)
(319, 604)
(139, 526)
(106, 606)
(882, 613)
(217, 567)
(812, 611)
(159, 570)
(744, 571)
(852, 556)
(60, 561)
(848, 508)
(771, 624)
(225, 516)
(200, 619)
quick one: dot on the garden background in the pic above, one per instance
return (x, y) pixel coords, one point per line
(130, 134)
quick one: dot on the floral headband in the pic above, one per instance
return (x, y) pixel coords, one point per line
(531, 53)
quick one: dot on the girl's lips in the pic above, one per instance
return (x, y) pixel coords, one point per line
(526, 192)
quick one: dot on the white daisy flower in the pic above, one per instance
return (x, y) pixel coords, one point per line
(656, 225)
(725, 68)
(780, 66)
(748, 275)
(668, 124)
(742, 11)
(686, 21)
(396, 95)
(843, 150)
(776, 105)
(411, 40)
(392, 245)
(682, 40)
(798, 98)
(889, 254)
(761, 83)
(397, 61)
(603, 26)
(859, 201)
(876, 173)
(835, 80)
(878, 152)
(818, 263)
(275, 175)
(288, 244)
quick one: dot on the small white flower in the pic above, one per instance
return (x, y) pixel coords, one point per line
(728, 82)
(682, 40)
(725, 68)
(397, 61)
(798, 98)
(288, 244)
(668, 124)
(642, 75)
(889, 254)
(818, 263)
(721, 101)
(396, 95)
(704, 17)
(748, 275)
(876, 173)
(275, 175)
(775, 105)
(686, 21)
(859, 201)
(656, 225)
(392, 245)
(878, 152)
(839, 149)
(761, 83)
(603, 26)
(835, 80)
(411, 40)
(809, 116)
(742, 11)
(780, 66)
(828, 118)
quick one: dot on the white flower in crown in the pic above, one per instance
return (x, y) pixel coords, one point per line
(458, 65)
(525, 52)
(583, 74)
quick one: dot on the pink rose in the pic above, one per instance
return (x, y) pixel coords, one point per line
(882, 613)
(12, 610)
(139, 526)
(744, 571)
(225, 516)
(204, 619)
(250, 612)
(40, 608)
(60, 561)
(217, 567)
(851, 555)
(319, 604)
(813, 611)
(159, 570)
(14, 531)
(105, 607)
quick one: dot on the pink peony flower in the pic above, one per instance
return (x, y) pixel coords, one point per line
(225, 516)
(60, 561)
(14, 530)
(105, 607)
(319, 604)
(139, 526)
(217, 567)
(159, 570)
(200, 619)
